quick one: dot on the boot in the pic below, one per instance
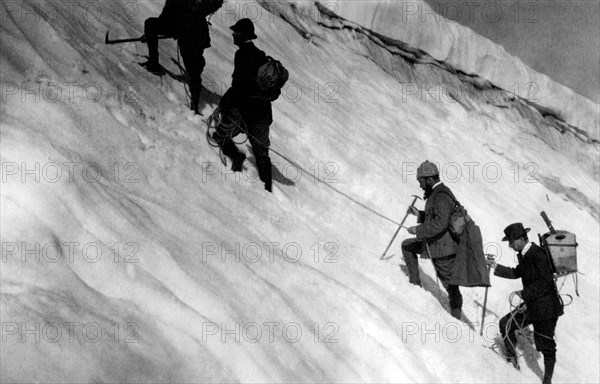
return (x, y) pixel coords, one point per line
(238, 162)
(510, 353)
(195, 88)
(153, 67)
(549, 363)
(196, 110)
(269, 185)
(412, 264)
(514, 362)
(265, 169)
(456, 313)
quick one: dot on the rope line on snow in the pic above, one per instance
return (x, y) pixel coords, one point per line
(335, 189)
(237, 123)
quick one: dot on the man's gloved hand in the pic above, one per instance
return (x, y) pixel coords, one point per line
(490, 261)
(412, 230)
(522, 307)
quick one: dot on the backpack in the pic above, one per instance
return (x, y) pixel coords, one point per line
(459, 218)
(271, 77)
(562, 248)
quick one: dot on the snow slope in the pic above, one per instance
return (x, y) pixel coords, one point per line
(129, 254)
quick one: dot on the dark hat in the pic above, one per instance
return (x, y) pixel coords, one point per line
(514, 231)
(244, 26)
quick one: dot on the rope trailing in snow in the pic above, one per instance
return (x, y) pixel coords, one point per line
(237, 123)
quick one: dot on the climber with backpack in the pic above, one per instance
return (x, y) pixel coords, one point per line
(433, 239)
(256, 81)
(448, 236)
(185, 21)
(541, 305)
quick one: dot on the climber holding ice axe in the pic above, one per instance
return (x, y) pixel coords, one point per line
(433, 239)
(185, 21)
(448, 236)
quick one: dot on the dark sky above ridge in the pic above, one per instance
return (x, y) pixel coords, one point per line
(560, 38)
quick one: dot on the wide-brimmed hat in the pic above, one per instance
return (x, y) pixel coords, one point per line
(514, 231)
(426, 169)
(244, 26)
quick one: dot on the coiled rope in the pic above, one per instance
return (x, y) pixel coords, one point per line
(514, 309)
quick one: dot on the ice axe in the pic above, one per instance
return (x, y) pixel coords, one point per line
(399, 227)
(142, 39)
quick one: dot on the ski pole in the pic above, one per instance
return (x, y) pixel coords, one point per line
(399, 227)
(484, 305)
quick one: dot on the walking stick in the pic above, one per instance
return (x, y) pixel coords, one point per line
(398, 230)
(484, 305)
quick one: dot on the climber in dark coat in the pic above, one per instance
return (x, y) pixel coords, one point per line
(541, 303)
(433, 239)
(254, 107)
(185, 21)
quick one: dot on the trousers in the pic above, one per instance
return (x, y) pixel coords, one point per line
(411, 248)
(192, 55)
(258, 136)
